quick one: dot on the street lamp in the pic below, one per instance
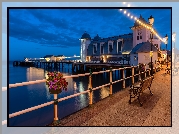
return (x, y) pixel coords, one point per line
(151, 21)
(166, 41)
(151, 71)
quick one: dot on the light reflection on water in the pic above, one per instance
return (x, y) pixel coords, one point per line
(33, 95)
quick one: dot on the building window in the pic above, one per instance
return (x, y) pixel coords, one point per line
(102, 49)
(137, 37)
(135, 57)
(156, 45)
(110, 47)
(139, 34)
(94, 49)
(120, 46)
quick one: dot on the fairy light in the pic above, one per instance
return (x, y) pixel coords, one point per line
(142, 24)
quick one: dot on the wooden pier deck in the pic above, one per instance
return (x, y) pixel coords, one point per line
(116, 111)
(75, 66)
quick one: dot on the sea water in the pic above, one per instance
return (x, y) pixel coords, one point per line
(23, 97)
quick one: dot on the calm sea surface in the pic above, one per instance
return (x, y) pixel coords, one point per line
(24, 97)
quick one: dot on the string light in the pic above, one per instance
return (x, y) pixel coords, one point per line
(143, 24)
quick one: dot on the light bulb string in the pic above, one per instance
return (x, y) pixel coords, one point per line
(147, 26)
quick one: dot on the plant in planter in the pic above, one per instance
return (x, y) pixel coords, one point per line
(56, 82)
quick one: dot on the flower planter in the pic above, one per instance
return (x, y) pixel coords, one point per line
(52, 91)
(56, 83)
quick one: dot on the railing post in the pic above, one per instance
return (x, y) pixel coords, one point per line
(56, 121)
(139, 74)
(90, 88)
(110, 93)
(149, 71)
(132, 74)
(123, 78)
(145, 70)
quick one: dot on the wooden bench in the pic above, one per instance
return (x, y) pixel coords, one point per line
(137, 90)
(168, 70)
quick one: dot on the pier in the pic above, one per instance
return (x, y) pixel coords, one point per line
(76, 67)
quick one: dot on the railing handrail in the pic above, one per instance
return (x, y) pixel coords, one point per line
(67, 97)
(71, 76)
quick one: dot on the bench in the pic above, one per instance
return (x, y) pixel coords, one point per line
(168, 70)
(137, 90)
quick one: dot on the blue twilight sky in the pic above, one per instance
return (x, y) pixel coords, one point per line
(35, 33)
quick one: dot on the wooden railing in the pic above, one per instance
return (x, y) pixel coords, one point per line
(90, 90)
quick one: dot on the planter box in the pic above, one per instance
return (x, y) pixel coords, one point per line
(52, 91)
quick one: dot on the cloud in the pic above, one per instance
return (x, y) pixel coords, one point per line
(63, 27)
(24, 30)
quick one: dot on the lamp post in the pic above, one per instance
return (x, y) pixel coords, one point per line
(151, 21)
(173, 39)
(166, 41)
(151, 37)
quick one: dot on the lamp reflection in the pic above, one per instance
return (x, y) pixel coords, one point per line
(104, 92)
(75, 86)
(80, 100)
(35, 90)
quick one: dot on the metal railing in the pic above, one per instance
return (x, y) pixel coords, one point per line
(90, 90)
